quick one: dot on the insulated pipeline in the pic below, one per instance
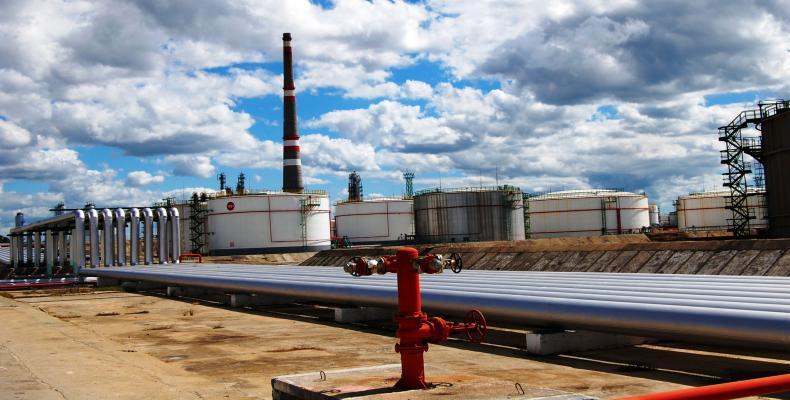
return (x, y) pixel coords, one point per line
(734, 302)
(768, 329)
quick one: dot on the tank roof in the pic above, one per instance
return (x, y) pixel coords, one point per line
(717, 193)
(503, 188)
(579, 193)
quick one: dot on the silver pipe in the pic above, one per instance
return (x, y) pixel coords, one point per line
(767, 293)
(49, 251)
(29, 248)
(743, 303)
(120, 234)
(694, 324)
(93, 226)
(645, 276)
(175, 234)
(161, 224)
(134, 236)
(78, 241)
(64, 256)
(14, 252)
(109, 243)
(148, 235)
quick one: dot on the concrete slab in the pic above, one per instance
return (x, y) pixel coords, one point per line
(621, 258)
(377, 382)
(551, 343)
(636, 263)
(782, 266)
(655, 263)
(716, 262)
(675, 261)
(761, 264)
(602, 263)
(590, 257)
(739, 262)
(249, 300)
(694, 263)
(350, 315)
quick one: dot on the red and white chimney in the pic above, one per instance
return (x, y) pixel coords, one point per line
(292, 165)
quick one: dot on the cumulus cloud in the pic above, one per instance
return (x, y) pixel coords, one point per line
(143, 178)
(521, 92)
(191, 165)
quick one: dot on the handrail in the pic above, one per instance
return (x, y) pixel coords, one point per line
(723, 391)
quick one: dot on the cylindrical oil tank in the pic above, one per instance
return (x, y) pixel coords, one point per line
(590, 212)
(655, 217)
(268, 223)
(776, 160)
(707, 211)
(471, 214)
(379, 221)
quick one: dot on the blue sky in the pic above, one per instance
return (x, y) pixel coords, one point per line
(128, 103)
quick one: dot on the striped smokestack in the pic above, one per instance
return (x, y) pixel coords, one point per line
(292, 165)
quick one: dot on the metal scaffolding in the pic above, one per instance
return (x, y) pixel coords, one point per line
(198, 214)
(738, 146)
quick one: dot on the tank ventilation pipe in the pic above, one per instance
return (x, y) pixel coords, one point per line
(161, 224)
(731, 390)
(120, 234)
(134, 236)
(415, 328)
(175, 235)
(93, 226)
(109, 243)
(78, 242)
(148, 235)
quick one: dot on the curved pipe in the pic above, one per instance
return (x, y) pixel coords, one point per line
(161, 224)
(175, 235)
(120, 234)
(731, 390)
(78, 242)
(691, 324)
(108, 238)
(148, 235)
(134, 236)
(93, 220)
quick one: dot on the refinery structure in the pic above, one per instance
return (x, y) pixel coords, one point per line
(589, 271)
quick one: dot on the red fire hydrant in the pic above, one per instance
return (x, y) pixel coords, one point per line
(415, 328)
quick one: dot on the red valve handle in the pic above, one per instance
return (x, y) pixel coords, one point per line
(476, 326)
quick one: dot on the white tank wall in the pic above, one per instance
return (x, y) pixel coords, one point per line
(654, 215)
(375, 221)
(267, 223)
(707, 212)
(583, 215)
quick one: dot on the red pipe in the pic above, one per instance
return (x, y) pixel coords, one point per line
(723, 391)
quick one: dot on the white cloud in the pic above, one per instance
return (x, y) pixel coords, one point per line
(191, 165)
(143, 178)
(12, 136)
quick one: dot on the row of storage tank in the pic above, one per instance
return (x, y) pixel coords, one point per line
(281, 222)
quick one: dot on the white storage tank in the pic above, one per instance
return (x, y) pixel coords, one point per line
(268, 222)
(590, 212)
(707, 211)
(378, 221)
(655, 216)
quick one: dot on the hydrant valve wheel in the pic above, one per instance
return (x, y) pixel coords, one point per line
(475, 326)
(456, 263)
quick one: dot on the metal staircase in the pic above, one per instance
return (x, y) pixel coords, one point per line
(738, 168)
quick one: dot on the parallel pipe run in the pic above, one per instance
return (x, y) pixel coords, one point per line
(175, 235)
(134, 236)
(725, 299)
(109, 242)
(93, 226)
(161, 225)
(766, 329)
(148, 217)
(724, 391)
(78, 241)
(120, 226)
